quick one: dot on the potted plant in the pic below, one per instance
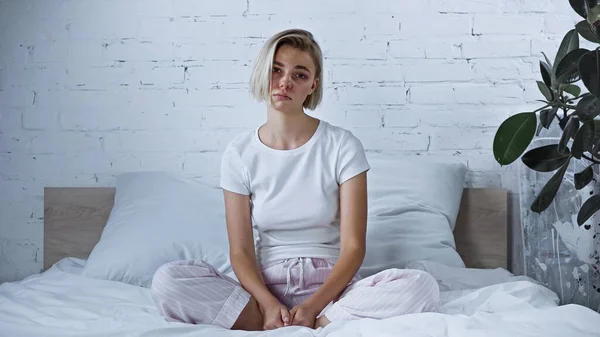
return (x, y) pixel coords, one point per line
(564, 104)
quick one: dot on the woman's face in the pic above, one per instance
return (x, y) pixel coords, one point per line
(292, 78)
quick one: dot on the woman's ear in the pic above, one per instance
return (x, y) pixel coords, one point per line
(314, 86)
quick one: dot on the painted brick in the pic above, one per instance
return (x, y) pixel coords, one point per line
(462, 115)
(35, 77)
(367, 73)
(160, 161)
(352, 26)
(381, 95)
(503, 69)
(508, 24)
(37, 118)
(407, 49)
(435, 25)
(466, 6)
(48, 143)
(150, 118)
(234, 51)
(463, 138)
(132, 50)
(355, 50)
(549, 46)
(442, 49)
(304, 7)
(431, 94)
(492, 47)
(10, 119)
(436, 71)
(96, 27)
(14, 141)
(363, 118)
(382, 25)
(50, 166)
(392, 139)
(559, 23)
(208, 8)
(214, 73)
(402, 117)
(488, 94)
(203, 164)
(232, 117)
(48, 52)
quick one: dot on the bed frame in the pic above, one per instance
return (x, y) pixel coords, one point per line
(75, 216)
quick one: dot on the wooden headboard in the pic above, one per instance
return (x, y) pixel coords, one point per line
(75, 216)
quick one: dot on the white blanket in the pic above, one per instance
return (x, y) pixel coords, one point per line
(59, 302)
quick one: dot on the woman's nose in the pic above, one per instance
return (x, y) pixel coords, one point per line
(285, 82)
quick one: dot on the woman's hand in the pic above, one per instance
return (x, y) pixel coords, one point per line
(304, 314)
(275, 316)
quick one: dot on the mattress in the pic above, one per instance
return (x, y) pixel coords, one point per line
(61, 302)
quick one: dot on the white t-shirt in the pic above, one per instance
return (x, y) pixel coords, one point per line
(294, 194)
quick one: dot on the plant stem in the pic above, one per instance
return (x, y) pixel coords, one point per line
(563, 105)
(590, 159)
(574, 98)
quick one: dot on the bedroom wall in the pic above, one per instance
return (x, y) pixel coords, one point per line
(89, 89)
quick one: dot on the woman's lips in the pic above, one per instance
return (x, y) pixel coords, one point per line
(281, 97)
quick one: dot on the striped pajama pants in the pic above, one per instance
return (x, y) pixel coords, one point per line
(193, 291)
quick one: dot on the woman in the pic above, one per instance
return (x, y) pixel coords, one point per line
(300, 183)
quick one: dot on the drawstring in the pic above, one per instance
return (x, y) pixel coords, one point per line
(298, 261)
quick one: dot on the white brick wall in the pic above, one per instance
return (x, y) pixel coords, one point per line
(91, 89)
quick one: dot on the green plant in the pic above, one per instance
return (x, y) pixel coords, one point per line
(575, 112)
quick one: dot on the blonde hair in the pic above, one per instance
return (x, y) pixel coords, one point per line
(260, 80)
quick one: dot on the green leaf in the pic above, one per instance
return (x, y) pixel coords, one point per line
(584, 140)
(547, 60)
(567, 70)
(545, 158)
(584, 177)
(569, 43)
(588, 68)
(546, 71)
(588, 108)
(568, 132)
(545, 90)
(514, 136)
(547, 116)
(589, 207)
(580, 7)
(547, 194)
(573, 90)
(583, 28)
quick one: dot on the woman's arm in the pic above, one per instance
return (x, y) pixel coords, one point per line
(353, 226)
(241, 247)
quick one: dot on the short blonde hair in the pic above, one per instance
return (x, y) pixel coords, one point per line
(260, 80)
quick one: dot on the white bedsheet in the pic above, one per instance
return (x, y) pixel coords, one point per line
(59, 302)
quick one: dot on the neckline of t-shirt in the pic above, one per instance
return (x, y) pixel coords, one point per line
(301, 148)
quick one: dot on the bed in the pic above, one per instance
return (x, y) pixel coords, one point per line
(479, 298)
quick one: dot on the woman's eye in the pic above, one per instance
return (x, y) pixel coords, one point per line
(302, 76)
(276, 70)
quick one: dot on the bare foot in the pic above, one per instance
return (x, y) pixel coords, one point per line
(321, 322)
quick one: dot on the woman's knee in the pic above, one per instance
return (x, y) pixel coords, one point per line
(168, 277)
(429, 290)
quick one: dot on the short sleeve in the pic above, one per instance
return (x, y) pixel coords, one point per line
(234, 175)
(352, 159)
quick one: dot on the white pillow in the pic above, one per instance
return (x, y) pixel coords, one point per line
(159, 217)
(413, 206)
